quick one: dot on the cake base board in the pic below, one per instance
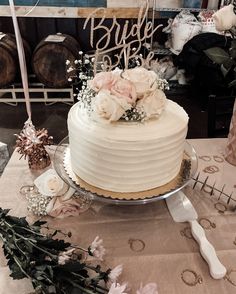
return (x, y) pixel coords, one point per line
(177, 182)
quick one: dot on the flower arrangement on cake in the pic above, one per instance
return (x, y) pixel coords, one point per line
(133, 94)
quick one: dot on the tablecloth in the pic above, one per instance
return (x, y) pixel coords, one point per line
(160, 252)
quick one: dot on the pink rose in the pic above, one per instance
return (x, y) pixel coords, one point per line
(123, 88)
(61, 209)
(102, 80)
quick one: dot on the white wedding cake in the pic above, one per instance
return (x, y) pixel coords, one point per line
(124, 135)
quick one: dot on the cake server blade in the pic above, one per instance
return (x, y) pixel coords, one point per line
(182, 210)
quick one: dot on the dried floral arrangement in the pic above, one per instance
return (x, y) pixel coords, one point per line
(55, 266)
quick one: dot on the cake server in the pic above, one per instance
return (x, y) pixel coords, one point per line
(182, 210)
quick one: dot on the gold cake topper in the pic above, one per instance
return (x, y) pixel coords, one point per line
(127, 49)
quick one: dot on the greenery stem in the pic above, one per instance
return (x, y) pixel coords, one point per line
(30, 241)
(16, 260)
(80, 248)
(28, 230)
(45, 251)
(80, 287)
(92, 268)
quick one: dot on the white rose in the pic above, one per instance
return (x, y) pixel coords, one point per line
(108, 106)
(144, 80)
(50, 184)
(150, 288)
(152, 104)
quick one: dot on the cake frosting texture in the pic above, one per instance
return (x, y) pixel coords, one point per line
(127, 156)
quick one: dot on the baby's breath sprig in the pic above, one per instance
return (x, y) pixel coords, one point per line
(80, 70)
(162, 84)
(85, 97)
(134, 114)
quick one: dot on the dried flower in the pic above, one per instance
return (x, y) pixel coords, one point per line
(117, 289)
(150, 288)
(65, 256)
(115, 273)
(97, 249)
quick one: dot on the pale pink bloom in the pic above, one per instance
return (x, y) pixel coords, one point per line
(109, 107)
(59, 208)
(97, 249)
(102, 80)
(144, 80)
(117, 289)
(150, 288)
(115, 273)
(124, 89)
(152, 104)
(65, 256)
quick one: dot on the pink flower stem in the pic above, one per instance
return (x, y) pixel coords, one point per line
(77, 247)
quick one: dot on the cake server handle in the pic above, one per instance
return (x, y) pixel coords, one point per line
(217, 270)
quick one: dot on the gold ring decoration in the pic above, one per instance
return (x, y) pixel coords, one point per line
(136, 245)
(207, 189)
(234, 241)
(206, 223)
(191, 278)
(211, 169)
(221, 207)
(228, 277)
(28, 190)
(205, 157)
(218, 158)
(186, 232)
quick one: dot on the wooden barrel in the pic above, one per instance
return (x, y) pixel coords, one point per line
(49, 59)
(9, 62)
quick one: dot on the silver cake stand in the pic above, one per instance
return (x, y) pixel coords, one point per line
(189, 171)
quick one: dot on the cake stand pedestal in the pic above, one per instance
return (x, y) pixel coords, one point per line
(62, 166)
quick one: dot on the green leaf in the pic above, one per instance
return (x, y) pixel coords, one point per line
(232, 84)
(3, 212)
(232, 52)
(233, 44)
(59, 245)
(224, 70)
(217, 55)
(20, 221)
(16, 273)
(73, 266)
(54, 233)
